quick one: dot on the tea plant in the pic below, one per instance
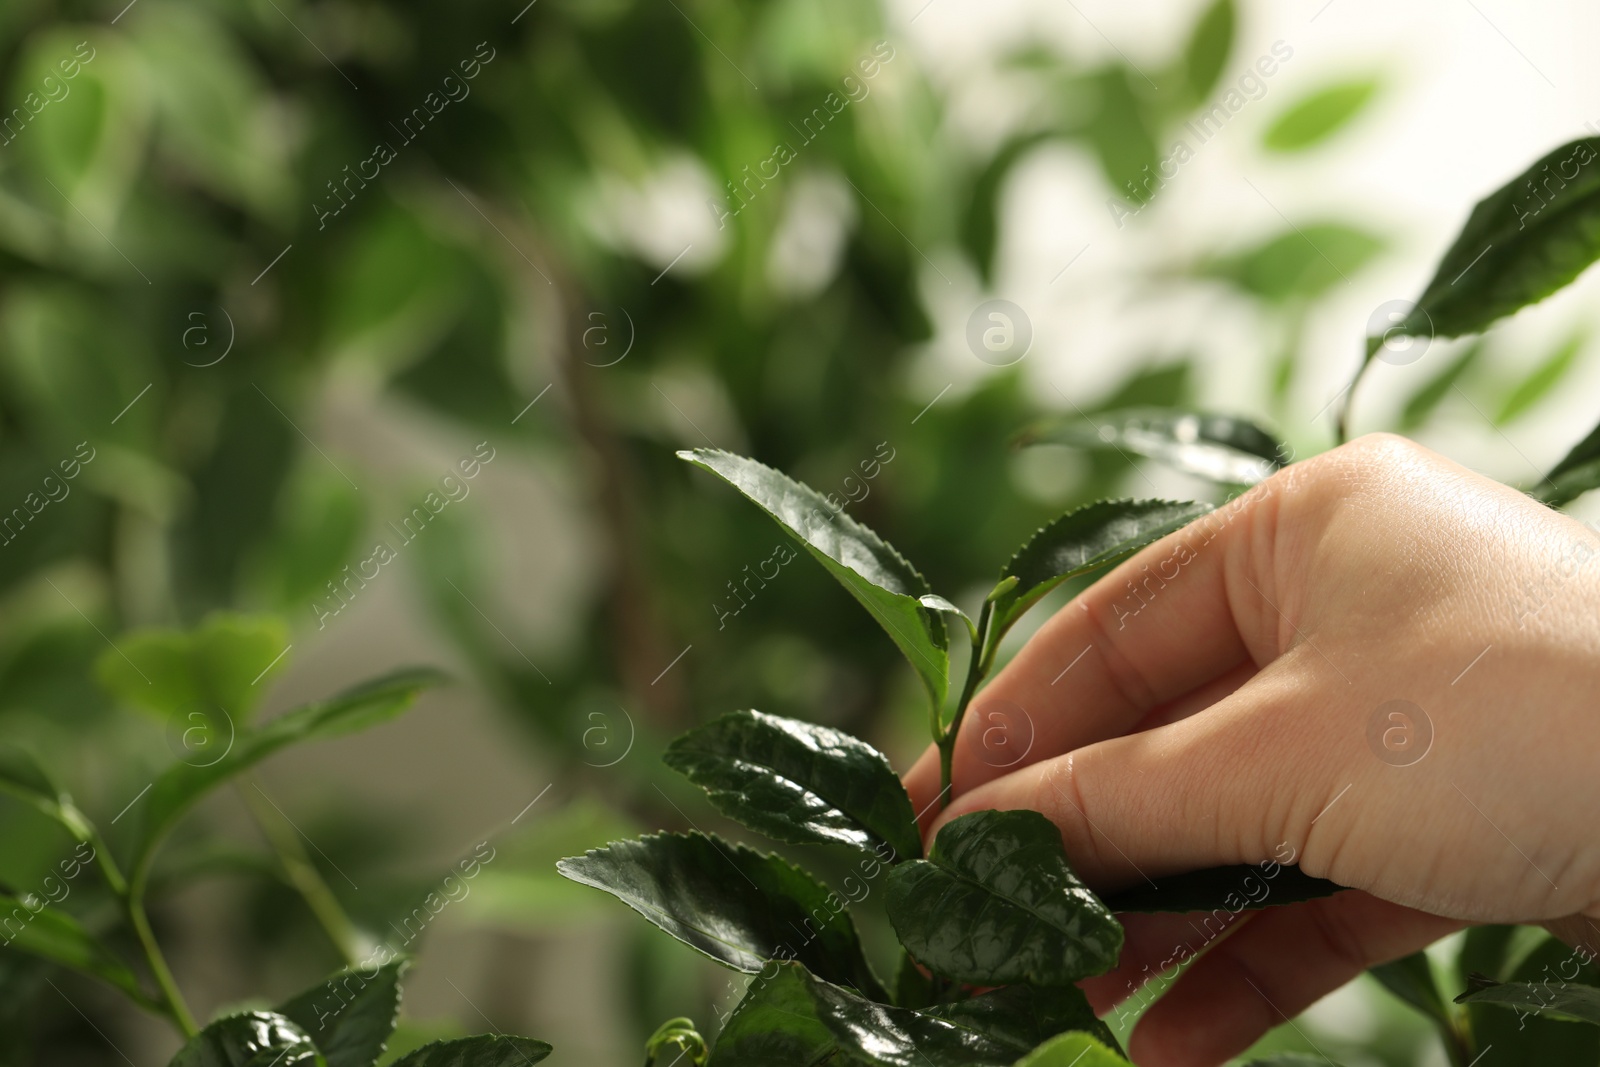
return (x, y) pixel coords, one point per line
(994, 928)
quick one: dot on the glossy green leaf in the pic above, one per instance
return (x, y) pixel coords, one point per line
(1510, 1035)
(31, 925)
(1576, 474)
(1241, 887)
(1319, 115)
(874, 573)
(350, 1014)
(1072, 1050)
(1541, 380)
(485, 1050)
(1081, 541)
(799, 782)
(1206, 53)
(738, 906)
(1301, 263)
(356, 709)
(1571, 1001)
(995, 902)
(1411, 979)
(1524, 241)
(789, 1017)
(254, 1039)
(1423, 402)
(913, 988)
(1222, 448)
(225, 663)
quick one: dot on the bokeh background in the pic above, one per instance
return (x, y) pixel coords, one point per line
(281, 276)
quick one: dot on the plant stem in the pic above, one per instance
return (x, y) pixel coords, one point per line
(977, 668)
(176, 1007)
(303, 874)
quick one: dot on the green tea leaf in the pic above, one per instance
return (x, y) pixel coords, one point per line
(1222, 448)
(738, 906)
(1207, 51)
(1511, 1031)
(24, 777)
(485, 1050)
(1027, 1016)
(1300, 264)
(1072, 1050)
(874, 573)
(254, 1039)
(31, 925)
(1241, 887)
(1521, 243)
(1411, 979)
(1082, 541)
(1426, 399)
(1538, 384)
(1319, 115)
(222, 664)
(350, 1014)
(1576, 474)
(1572, 1001)
(775, 1025)
(995, 902)
(799, 782)
(356, 709)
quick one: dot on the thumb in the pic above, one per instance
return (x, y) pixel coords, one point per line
(1234, 783)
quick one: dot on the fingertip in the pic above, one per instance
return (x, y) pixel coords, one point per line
(922, 785)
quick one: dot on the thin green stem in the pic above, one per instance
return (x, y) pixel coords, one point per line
(170, 993)
(977, 669)
(303, 874)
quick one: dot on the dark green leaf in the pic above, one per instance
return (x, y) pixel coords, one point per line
(913, 988)
(1243, 887)
(1222, 448)
(1207, 51)
(1521, 243)
(1027, 1016)
(1513, 1036)
(799, 782)
(351, 1014)
(1300, 264)
(981, 225)
(738, 906)
(996, 903)
(1576, 474)
(1081, 541)
(485, 1050)
(34, 927)
(1072, 1050)
(1411, 979)
(775, 1025)
(1571, 1001)
(254, 1039)
(356, 709)
(222, 664)
(1424, 400)
(1316, 117)
(1545, 377)
(874, 573)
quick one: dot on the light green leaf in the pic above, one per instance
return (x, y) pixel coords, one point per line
(799, 782)
(1423, 402)
(1081, 541)
(34, 927)
(356, 709)
(1545, 377)
(1222, 448)
(1207, 51)
(1319, 115)
(485, 1050)
(23, 777)
(995, 902)
(350, 1014)
(1521, 243)
(1072, 1050)
(1576, 474)
(874, 573)
(225, 664)
(1301, 263)
(254, 1039)
(738, 906)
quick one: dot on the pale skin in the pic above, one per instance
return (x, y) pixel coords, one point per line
(1222, 712)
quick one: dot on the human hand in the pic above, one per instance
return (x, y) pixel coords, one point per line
(1225, 695)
